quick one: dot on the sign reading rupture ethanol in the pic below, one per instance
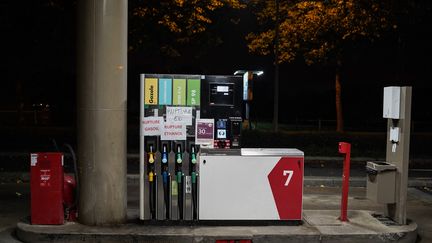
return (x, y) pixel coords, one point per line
(179, 92)
(151, 91)
(173, 131)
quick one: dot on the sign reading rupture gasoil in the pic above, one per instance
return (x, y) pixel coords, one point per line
(152, 126)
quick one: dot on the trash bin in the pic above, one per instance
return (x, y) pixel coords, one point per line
(381, 178)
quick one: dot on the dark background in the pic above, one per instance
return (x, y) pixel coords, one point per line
(38, 54)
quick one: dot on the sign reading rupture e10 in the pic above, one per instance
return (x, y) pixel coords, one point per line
(179, 114)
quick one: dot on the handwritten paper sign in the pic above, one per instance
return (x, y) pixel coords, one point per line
(152, 126)
(179, 114)
(173, 131)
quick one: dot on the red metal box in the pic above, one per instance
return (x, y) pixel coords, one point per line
(46, 185)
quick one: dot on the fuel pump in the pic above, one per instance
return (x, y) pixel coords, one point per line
(151, 179)
(221, 100)
(179, 177)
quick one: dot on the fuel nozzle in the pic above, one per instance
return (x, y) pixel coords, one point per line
(193, 155)
(151, 157)
(164, 154)
(179, 157)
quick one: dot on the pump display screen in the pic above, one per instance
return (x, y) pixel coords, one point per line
(221, 94)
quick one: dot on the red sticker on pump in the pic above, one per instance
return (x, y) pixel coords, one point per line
(286, 182)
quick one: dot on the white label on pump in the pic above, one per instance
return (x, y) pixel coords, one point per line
(222, 88)
(221, 133)
(188, 184)
(33, 159)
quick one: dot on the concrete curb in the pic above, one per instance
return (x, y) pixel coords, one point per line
(320, 226)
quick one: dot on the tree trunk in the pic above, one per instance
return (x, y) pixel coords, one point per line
(338, 87)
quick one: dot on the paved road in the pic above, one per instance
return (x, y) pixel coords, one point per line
(14, 205)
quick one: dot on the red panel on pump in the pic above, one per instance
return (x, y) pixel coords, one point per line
(286, 182)
(46, 184)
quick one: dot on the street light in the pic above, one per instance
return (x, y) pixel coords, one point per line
(257, 72)
(248, 90)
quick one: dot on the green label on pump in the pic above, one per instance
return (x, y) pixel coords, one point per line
(193, 92)
(174, 188)
(179, 92)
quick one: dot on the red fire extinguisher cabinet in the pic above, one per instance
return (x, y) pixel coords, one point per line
(46, 185)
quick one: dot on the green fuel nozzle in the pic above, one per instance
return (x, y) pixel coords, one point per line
(179, 158)
(193, 155)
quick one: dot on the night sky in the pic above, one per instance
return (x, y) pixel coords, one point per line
(39, 60)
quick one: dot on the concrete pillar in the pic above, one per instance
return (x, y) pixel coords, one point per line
(101, 107)
(399, 156)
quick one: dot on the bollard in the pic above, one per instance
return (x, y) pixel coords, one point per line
(345, 148)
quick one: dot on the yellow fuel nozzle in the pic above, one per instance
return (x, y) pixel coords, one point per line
(151, 175)
(151, 158)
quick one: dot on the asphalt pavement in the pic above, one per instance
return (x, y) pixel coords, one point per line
(15, 203)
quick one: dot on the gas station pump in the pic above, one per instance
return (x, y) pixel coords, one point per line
(191, 160)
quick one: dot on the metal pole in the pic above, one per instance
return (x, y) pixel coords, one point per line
(276, 78)
(398, 154)
(345, 148)
(101, 108)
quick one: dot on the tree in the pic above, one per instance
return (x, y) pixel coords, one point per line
(166, 26)
(318, 31)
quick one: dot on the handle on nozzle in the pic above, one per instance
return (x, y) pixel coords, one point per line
(193, 155)
(179, 158)
(164, 154)
(151, 159)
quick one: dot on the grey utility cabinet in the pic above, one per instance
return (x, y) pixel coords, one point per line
(381, 178)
